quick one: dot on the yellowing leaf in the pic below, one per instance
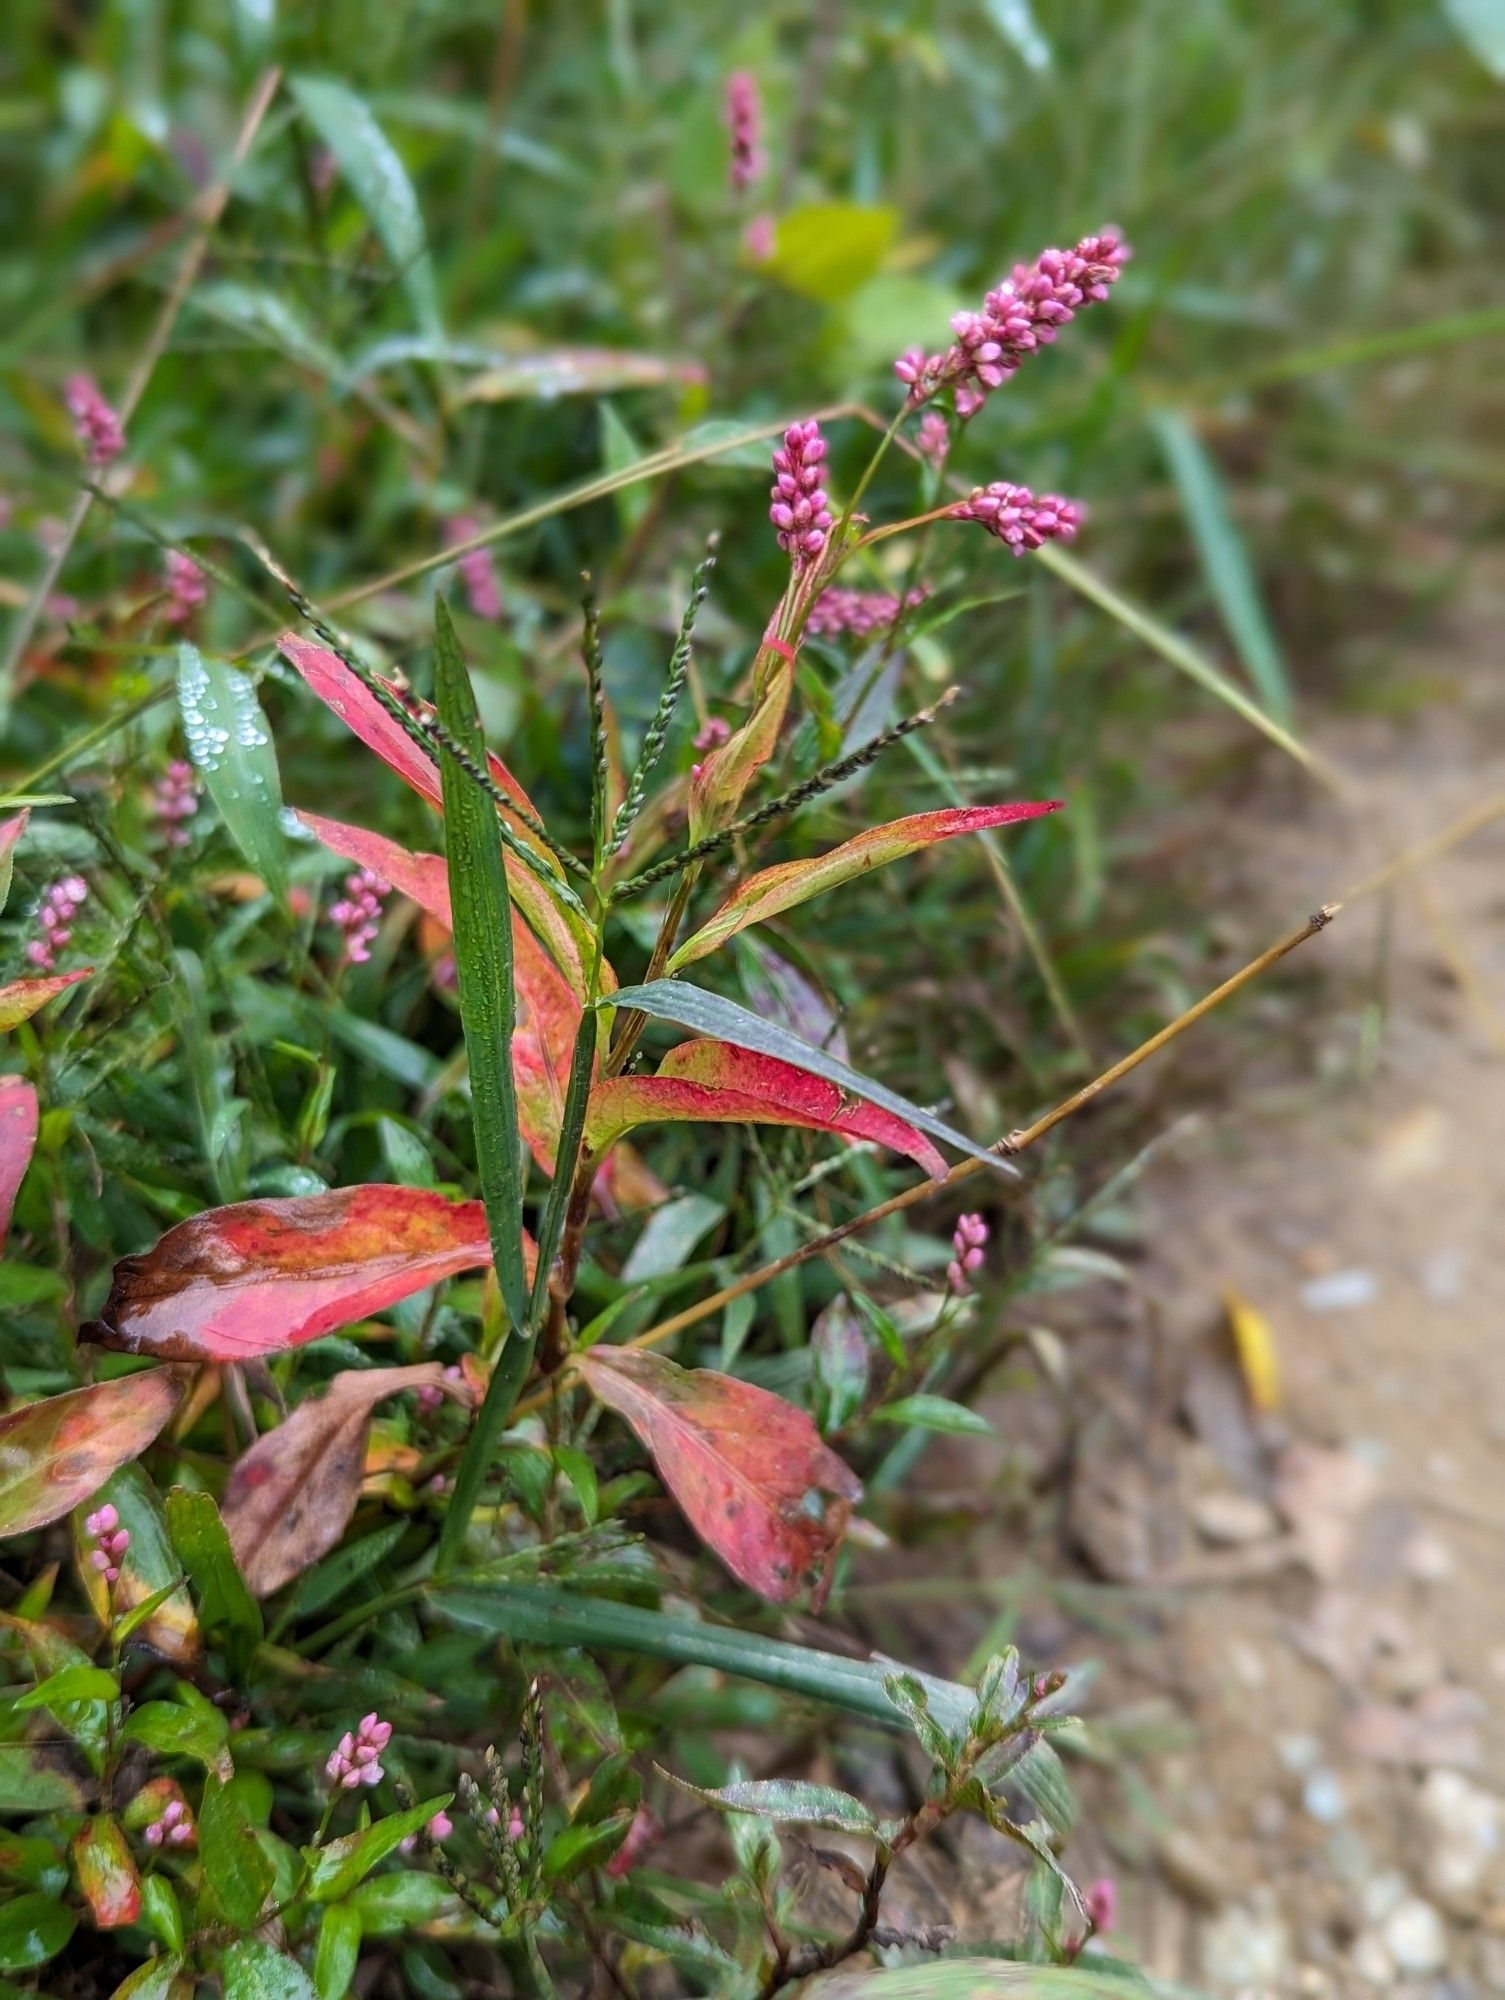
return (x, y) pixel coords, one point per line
(1255, 1346)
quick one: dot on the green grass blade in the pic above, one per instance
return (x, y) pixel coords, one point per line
(567, 1154)
(231, 746)
(1225, 560)
(544, 1615)
(1181, 654)
(483, 960)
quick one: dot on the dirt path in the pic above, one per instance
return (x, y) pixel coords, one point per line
(1336, 1825)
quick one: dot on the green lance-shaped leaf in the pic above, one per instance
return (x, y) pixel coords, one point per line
(710, 1014)
(379, 181)
(231, 747)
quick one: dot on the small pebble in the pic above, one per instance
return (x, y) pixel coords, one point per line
(1340, 1291)
(1322, 1798)
(1416, 1938)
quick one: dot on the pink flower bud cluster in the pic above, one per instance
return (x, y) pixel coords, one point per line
(356, 1758)
(800, 510)
(174, 1829)
(1020, 519)
(440, 1827)
(110, 1542)
(967, 1242)
(933, 438)
(186, 587)
(60, 904)
(175, 799)
(358, 912)
(712, 733)
(430, 1395)
(859, 611)
(1100, 1903)
(97, 426)
(514, 1821)
(476, 571)
(1020, 315)
(742, 115)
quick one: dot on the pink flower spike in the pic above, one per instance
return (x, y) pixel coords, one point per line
(967, 1241)
(1100, 1903)
(174, 800)
(476, 571)
(356, 1759)
(933, 438)
(187, 587)
(95, 423)
(58, 905)
(358, 912)
(800, 511)
(712, 733)
(859, 611)
(1020, 519)
(759, 238)
(742, 114)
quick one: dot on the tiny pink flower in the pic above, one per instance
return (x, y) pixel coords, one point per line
(1020, 519)
(933, 439)
(712, 733)
(356, 1758)
(859, 611)
(175, 799)
(742, 114)
(110, 1542)
(967, 1241)
(96, 424)
(358, 912)
(758, 238)
(60, 903)
(643, 1834)
(514, 1821)
(175, 1828)
(800, 511)
(476, 571)
(186, 587)
(440, 1827)
(1100, 1903)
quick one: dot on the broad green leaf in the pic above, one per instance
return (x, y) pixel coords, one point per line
(35, 1779)
(934, 1413)
(33, 1928)
(669, 1236)
(400, 1901)
(790, 1802)
(227, 1609)
(336, 1868)
(231, 746)
(544, 1615)
(268, 318)
(575, 371)
(69, 1684)
(1481, 25)
(149, 1595)
(773, 890)
(57, 1453)
(159, 1979)
(238, 1873)
(257, 1971)
(379, 181)
(619, 449)
(1225, 560)
(710, 1014)
(337, 1951)
(183, 1729)
(828, 250)
(575, 1848)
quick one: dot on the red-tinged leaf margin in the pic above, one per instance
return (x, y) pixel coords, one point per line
(22, 997)
(57, 1453)
(290, 1496)
(749, 1471)
(18, 1138)
(706, 1081)
(567, 937)
(257, 1277)
(774, 890)
(106, 1873)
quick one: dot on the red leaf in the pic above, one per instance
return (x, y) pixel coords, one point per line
(749, 1470)
(773, 890)
(57, 1453)
(107, 1873)
(710, 1081)
(290, 1497)
(261, 1276)
(548, 1013)
(18, 1136)
(567, 937)
(22, 997)
(11, 831)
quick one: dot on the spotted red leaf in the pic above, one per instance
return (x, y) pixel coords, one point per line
(290, 1497)
(107, 1873)
(22, 997)
(773, 890)
(261, 1276)
(749, 1470)
(59, 1452)
(18, 1136)
(711, 1081)
(567, 936)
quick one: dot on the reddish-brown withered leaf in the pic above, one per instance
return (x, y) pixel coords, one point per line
(22, 997)
(18, 1135)
(290, 1497)
(57, 1453)
(716, 1082)
(749, 1471)
(107, 1873)
(261, 1276)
